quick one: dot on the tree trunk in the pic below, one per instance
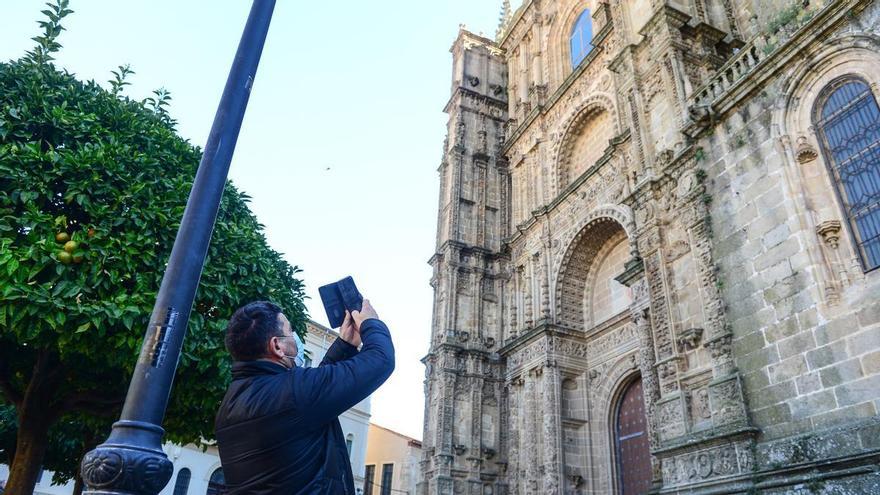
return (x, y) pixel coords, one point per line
(35, 416)
(30, 447)
(78, 485)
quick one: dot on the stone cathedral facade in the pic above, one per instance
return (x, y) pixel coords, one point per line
(657, 253)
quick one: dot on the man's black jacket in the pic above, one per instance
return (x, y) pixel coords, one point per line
(278, 429)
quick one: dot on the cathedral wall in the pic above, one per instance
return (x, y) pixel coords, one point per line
(805, 316)
(690, 240)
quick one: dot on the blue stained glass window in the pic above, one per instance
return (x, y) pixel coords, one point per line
(848, 124)
(581, 37)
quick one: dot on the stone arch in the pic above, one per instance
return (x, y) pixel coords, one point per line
(857, 55)
(574, 268)
(573, 125)
(808, 174)
(606, 388)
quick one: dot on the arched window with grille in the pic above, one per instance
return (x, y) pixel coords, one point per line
(217, 483)
(349, 442)
(581, 38)
(181, 484)
(847, 120)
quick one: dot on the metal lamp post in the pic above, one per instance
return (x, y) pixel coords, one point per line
(131, 460)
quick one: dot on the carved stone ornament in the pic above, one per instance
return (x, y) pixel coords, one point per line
(474, 81)
(693, 467)
(686, 183)
(700, 114)
(459, 449)
(700, 405)
(670, 420)
(720, 347)
(829, 231)
(676, 250)
(690, 339)
(805, 153)
(726, 402)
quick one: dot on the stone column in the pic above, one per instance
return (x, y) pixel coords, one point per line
(527, 299)
(530, 435)
(726, 399)
(650, 384)
(552, 408)
(514, 432)
(670, 407)
(545, 286)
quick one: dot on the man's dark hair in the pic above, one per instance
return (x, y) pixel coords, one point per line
(250, 328)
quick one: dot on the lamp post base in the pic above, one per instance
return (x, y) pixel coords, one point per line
(130, 462)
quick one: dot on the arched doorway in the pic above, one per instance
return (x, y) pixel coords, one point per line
(631, 442)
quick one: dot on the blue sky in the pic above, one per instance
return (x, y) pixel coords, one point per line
(340, 144)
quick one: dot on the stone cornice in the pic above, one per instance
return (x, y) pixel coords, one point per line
(715, 436)
(769, 65)
(543, 328)
(502, 104)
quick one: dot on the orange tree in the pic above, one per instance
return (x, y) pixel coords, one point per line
(92, 187)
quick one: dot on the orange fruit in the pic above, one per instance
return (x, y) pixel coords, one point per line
(62, 237)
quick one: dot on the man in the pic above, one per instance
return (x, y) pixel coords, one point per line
(277, 428)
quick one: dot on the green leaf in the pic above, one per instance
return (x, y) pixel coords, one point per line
(85, 326)
(12, 266)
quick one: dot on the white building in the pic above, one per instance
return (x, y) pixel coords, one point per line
(198, 472)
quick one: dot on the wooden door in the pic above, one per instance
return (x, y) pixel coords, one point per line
(631, 439)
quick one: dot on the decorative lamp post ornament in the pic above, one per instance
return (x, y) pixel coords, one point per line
(131, 460)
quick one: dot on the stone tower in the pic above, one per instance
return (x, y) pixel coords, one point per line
(463, 388)
(658, 254)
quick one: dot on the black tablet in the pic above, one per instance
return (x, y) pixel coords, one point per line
(338, 297)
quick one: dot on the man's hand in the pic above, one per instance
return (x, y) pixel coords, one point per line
(349, 332)
(365, 313)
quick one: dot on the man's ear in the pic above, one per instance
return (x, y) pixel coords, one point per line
(273, 348)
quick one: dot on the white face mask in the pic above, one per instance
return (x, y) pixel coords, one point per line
(300, 358)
